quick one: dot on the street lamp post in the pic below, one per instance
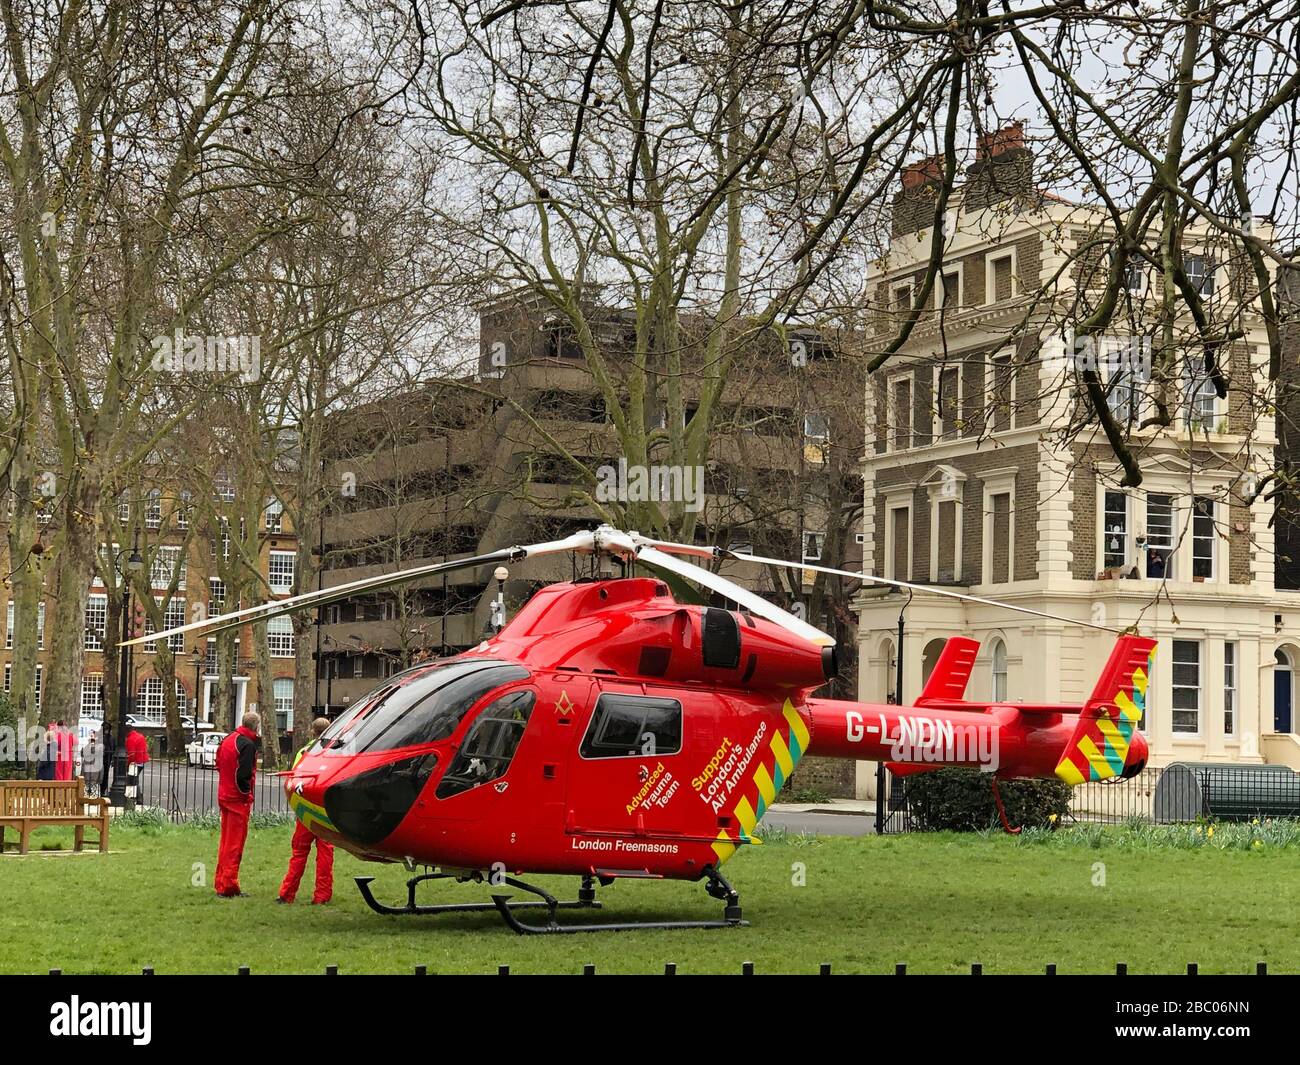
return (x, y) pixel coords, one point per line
(118, 795)
(196, 660)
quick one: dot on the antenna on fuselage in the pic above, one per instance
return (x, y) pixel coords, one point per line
(499, 603)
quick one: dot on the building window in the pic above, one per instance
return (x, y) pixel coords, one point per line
(1135, 276)
(902, 412)
(898, 546)
(1126, 394)
(1115, 532)
(153, 509)
(1200, 273)
(1187, 686)
(280, 571)
(999, 671)
(1229, 689)
(812, 546)
(183, 511)
(216, 596)
(946, 532)
(92, 695)
(947, 293)
(40, 627)
(1000, 538)
(149, 702)
(358, 665)
(903, 298)
(39, 670)
(1203, 537)
(1160, 536)
(949, 401)
(274, 516)
(168, 563)
(279, 637)
(1001, 384)
(173, 617)
(1001, 277)
(1200, 400)
(96, 622)
(283, 691)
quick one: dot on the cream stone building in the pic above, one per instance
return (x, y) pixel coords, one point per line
(982, 472)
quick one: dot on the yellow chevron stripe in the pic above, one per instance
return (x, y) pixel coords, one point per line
(797, 727)
(1140, 679)
(782, 753)
(1112, 735)
(766, 788)
(1068, 772)
(1127, 707)
(746, 816)
(723, 847)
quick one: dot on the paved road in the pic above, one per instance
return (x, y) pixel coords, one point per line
(195, 788)
(822, 824)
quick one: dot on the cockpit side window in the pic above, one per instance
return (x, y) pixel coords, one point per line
(429, 709)
(623, 725)
(490, 744)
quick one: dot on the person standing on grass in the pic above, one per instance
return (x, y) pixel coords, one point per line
(236, 785)
(137, 757)
(48, 757)
(301, 847)
(63, 758)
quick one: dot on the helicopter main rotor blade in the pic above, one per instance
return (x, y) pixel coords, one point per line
(914, 587)
(753, 603)
(582, 541)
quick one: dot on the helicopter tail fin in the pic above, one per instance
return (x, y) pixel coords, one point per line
(947, 684)
(1106, 743)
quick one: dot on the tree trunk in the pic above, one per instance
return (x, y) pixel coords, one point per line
(76, 568)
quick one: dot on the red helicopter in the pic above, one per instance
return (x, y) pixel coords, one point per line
(609, 731)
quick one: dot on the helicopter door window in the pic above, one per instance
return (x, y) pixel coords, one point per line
(490, 745)
(633, 725)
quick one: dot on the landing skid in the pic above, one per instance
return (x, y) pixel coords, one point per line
(586, 898)
(717, 887)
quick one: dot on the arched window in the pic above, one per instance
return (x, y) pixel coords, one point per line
(889, 663)
(999, 656)
(930, 658)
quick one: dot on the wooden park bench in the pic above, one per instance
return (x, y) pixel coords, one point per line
(31, 804)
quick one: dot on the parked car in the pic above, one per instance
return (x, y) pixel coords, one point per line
(187, 725)
(203, 751)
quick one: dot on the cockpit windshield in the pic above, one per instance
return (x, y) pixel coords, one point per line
(423, 710)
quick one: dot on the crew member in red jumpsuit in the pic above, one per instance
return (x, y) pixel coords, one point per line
(301, 847)
(236, 780)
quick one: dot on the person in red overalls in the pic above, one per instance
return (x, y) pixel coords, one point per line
(137, 755)
(301, 847)
(236, 780)
(64, 756)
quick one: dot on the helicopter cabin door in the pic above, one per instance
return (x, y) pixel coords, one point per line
(627, 768)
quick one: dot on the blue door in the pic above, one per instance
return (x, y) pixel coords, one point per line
(1282, 694)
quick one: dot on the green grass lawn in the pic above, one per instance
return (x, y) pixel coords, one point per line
(937, 902)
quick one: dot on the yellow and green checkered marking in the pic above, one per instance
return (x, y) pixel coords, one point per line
(773, 770)
(309, 813)
(1105, 743)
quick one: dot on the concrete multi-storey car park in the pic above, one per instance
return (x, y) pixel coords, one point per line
(467, 465)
